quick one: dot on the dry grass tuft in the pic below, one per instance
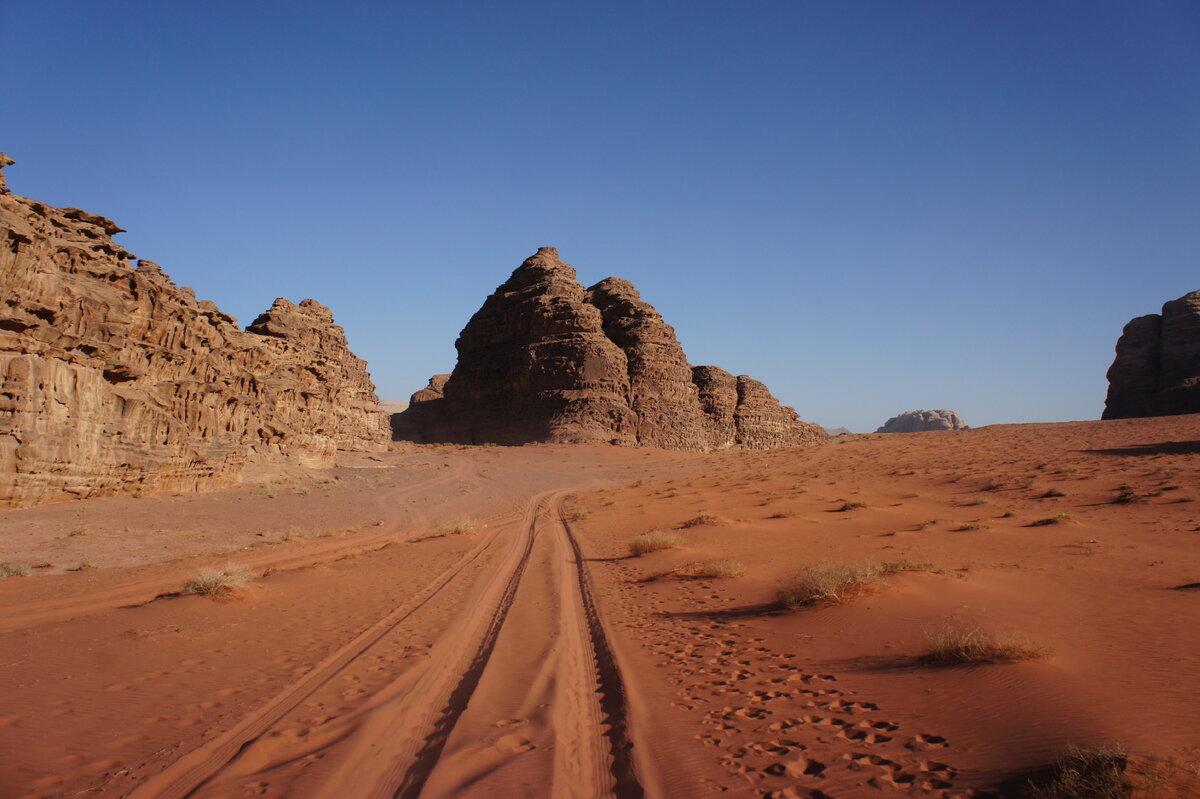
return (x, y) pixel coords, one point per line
(1086, 774)
(851, 506)
(460, 527)
(826, 582)
(723, 567)
(217, 582)
(1126, 495)
(704, 519)
(1061, 518)
(573, 511)
(10, 569)
(1054, 492)
(654, 541)
(955, 644)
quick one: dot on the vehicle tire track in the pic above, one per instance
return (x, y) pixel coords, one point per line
(612, 696)
(33, 614)
(190, 773)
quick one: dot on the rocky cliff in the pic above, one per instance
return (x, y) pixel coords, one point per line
(922, 421)
(113, 379)
(546, 360)
(1156, 371)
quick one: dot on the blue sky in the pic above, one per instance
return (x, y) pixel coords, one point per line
(871, 206)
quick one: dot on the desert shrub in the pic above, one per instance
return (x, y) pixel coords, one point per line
(291, 534)
(654, 541)
(954, 644)
(701, 520)
(460, 527)
(74, 532)
(217, 582)
(10, 569)
(1126, 495)
(852, 506)
(962, 528)
(825, 582)
(723, 567)
(573, 511)
(86, 564)
(1061, 518)
(1085, 774)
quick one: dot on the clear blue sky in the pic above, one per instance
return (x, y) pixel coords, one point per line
(871, 206)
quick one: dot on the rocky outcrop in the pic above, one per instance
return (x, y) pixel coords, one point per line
(545, 360)
(922, 421)
(416, 422)
(664, 399)
(112, 378)
(1157, 367)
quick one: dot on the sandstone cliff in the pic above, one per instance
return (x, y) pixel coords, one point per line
(922, 421)
(546, 360)
(115, 379)
(1157, 367)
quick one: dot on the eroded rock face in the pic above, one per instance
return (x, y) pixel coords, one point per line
(665, 401)
(544, 360)
(114, 379)
(1157, 367)
(923, 421)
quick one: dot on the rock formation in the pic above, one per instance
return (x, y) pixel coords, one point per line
(922, 421)
(1157, 368)
(115, 379)
(546, 360)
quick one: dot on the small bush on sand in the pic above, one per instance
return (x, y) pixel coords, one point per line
(573, 511)
(654, 541)
(1126, 495)
(1061, 518)
(701, 520)
(1085, 774)
(10, 569)
(723, 567)
(955, 644)
(852, 506)
(836, 582)
(460, 527)
(217, 582)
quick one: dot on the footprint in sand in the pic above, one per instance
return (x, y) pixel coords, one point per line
(514, 744)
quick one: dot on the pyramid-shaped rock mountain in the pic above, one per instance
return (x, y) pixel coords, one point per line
(545, 360)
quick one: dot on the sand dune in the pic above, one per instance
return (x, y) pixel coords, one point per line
(468, 622)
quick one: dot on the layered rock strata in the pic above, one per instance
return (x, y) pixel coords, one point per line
(923, 421)
(545, 360)
(112, 378)
(1156, 371)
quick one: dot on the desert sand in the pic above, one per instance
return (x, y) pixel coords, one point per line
(444, 621)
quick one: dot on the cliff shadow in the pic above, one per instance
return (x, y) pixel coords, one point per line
(1162, 448)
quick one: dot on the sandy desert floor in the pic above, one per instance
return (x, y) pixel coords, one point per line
(381, 649)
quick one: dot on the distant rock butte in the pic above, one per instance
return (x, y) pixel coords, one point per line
(923, 421)
(114, 379)
(545, 360)
(1157, 368)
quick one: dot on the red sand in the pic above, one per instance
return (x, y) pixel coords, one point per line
(373, 656)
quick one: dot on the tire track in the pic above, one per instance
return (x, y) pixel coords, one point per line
(612, 696)
(33, 614)
(196, 769)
